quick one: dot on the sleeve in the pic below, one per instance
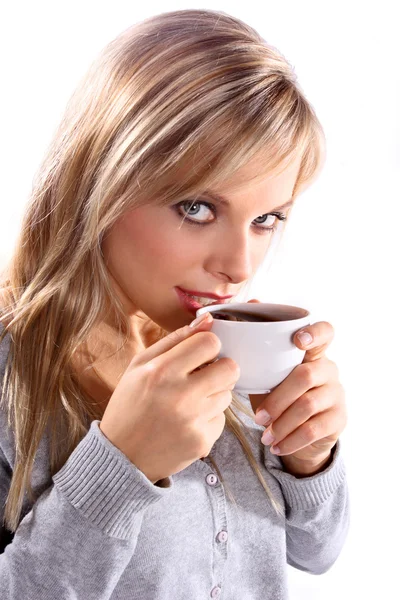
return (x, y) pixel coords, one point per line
(317, 513)
(82, 531)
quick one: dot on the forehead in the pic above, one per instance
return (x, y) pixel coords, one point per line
(253, 178)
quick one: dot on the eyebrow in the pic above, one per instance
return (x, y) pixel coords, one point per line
(219, 199)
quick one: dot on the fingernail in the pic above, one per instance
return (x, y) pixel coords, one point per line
(262, 417)
(275, 450)
(305, 338)
(267, 437)
(202, 318)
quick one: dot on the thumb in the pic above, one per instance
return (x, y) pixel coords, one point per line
(173, 339)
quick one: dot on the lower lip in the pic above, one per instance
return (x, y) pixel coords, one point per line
(190, 304)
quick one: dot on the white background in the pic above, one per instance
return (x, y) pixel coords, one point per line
(340, 254)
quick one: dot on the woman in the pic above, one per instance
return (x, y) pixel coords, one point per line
(177, 159)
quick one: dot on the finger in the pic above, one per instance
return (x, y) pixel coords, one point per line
(321, 333)
(304, 377)
(213, 406)
(189, 354)
(313, 402)
(216, 377)
(170, 341)
(317, 428)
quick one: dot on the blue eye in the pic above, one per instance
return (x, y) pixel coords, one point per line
(188, 206)
(189, 209)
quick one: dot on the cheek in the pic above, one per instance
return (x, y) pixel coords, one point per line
(150, 243)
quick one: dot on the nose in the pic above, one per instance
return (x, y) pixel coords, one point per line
(231, 257)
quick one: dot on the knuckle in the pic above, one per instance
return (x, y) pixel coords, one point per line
(175, 336)
(233, 368)
(159, 373)
(149, 367)
(309, 403)
(211, 341)
(306, 374)
(154, 372)
(309, 431)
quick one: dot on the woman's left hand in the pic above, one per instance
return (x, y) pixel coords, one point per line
(307, 410)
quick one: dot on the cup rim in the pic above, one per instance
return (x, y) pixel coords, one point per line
(303, 313)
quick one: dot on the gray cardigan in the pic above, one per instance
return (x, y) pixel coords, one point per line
(101, 530)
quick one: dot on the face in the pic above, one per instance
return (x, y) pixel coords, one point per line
(151, 251)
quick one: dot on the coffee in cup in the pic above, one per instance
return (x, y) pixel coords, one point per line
(243, 315)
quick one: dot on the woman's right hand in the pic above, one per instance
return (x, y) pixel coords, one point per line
(164, 415)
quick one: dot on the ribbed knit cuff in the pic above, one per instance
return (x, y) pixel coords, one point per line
(309, 492)
(100, 481)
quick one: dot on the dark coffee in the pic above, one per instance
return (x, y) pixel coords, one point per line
(230, 314)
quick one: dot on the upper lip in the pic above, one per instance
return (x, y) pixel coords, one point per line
(205, 294)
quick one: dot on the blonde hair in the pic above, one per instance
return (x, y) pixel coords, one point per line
(171, 107)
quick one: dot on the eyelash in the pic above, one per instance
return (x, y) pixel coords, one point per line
(280, 216)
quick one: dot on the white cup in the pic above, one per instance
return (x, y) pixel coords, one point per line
(263, 350)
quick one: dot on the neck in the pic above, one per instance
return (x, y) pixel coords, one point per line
(102, 360)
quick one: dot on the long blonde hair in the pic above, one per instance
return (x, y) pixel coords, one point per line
(169, 108)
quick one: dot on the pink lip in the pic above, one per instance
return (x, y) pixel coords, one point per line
(189, 303)
(204, 294)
